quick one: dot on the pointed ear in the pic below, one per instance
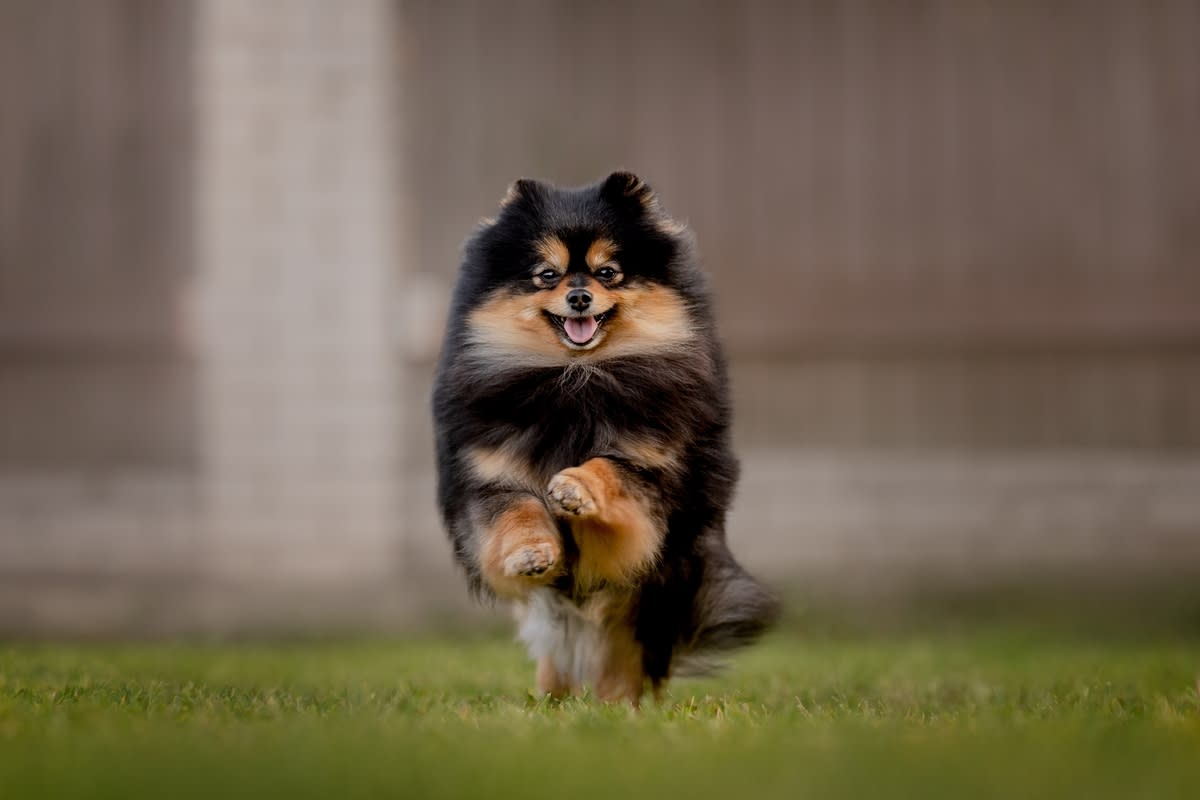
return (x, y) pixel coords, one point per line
(524, 189)
(625, 188)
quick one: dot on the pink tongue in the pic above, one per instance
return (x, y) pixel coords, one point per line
(580, 329)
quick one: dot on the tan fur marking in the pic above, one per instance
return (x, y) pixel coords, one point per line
(554, 252)
(621, 676)
(650, 453)
(502, 465)
(549, 680)
(600, 253)
(616, 534)
(617, 674)
(511, 322)
(521, 534)
(649, 318)
(603, 298)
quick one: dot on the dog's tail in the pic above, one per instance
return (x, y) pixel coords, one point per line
(731, 610)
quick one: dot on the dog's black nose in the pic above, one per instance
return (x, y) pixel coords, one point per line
(579, 299)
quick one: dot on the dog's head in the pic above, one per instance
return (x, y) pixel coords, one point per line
(567, 274)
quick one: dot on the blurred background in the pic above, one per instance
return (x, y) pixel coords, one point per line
(955, 248)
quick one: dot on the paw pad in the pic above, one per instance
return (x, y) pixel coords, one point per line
(531, 560)
(570, 496)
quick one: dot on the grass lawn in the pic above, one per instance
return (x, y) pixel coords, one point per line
(997, 712)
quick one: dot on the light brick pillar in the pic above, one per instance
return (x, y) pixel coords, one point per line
(296, 233)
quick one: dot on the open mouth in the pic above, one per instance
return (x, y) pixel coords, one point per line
(580, 331)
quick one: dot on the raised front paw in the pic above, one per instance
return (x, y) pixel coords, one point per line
(520, 549)
(569, 495)
(532, 559)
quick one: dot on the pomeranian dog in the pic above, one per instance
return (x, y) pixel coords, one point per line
(582, 422)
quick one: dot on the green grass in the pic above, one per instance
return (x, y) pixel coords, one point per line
(992, 713)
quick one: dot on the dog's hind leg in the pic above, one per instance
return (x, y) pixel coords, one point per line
(620, 675)
(614, 658)
(551, 680)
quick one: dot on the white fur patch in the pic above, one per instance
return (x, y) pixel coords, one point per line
(552, 626)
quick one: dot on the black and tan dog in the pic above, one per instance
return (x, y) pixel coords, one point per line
(582, 418)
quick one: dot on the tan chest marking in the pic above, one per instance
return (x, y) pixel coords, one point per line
(505, 466)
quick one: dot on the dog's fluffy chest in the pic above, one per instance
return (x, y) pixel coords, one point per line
(575, 638)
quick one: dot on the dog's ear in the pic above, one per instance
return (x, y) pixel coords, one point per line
(525, 190)
(624, 189)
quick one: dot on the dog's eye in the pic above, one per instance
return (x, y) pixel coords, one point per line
(606, 273)
(548, 275)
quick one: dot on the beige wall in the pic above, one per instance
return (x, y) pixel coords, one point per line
(278, 317)
(951, 244)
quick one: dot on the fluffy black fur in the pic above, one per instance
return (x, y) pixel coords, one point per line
(696, 599)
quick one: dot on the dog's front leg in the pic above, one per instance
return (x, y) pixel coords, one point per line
(615, 518)
(517, 542)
